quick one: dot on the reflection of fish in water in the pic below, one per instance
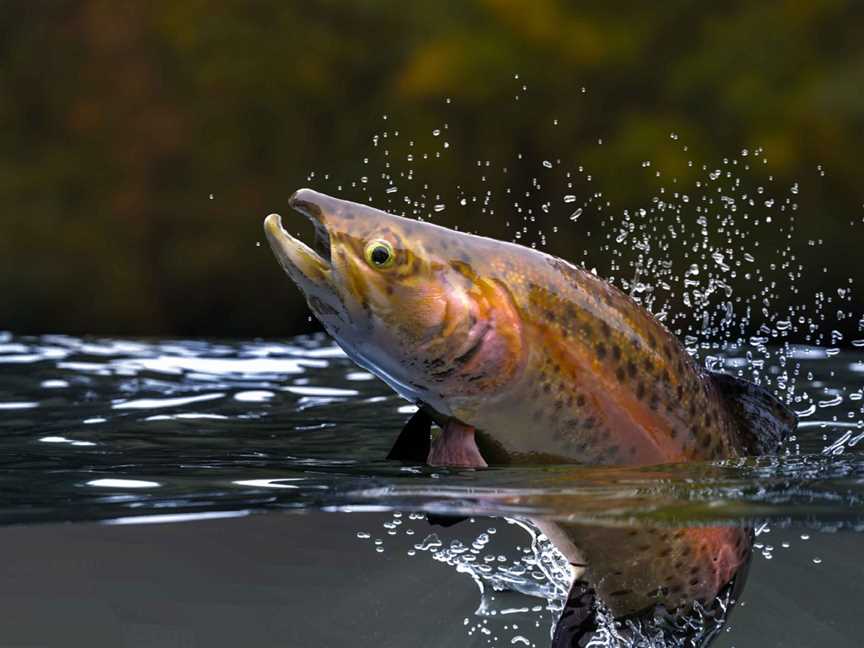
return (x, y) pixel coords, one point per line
(522, 357)
(677, 583)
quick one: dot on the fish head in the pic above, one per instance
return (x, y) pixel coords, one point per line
(412, 302)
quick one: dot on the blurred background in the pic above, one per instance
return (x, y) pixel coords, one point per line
(142, 143)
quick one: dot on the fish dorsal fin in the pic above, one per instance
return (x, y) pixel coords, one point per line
(764, 423)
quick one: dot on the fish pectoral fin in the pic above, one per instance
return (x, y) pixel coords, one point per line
(456, 446)
(764, 423)
(413, 442)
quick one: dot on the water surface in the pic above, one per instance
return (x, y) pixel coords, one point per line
(134, 431)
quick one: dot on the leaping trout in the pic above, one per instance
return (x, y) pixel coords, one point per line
(521, 357)
(537, 359)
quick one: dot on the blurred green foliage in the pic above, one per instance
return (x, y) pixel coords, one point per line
(118, 120)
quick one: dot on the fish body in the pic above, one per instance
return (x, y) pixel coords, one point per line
(547, 361)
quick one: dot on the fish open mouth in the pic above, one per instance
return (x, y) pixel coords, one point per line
(299, 260)
(303, 203)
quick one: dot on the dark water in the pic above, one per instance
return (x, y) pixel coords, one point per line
(127, 431)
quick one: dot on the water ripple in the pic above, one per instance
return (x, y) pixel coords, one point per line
(106, 429)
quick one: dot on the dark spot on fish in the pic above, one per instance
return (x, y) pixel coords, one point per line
(444, 373)
(616, 352)
(589, 423)
(546, 388)
(462, 267)
(640, 391)
(600, 349)
(654, 402)
(580, 400)
(619, 374)
(680, 392)
(694, 581)
(631, 369)
(652, 342)
(605, 328)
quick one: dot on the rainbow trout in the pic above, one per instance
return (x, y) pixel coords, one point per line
(522, 357)
(542, 360)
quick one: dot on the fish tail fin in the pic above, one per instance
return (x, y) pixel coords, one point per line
(764, 423)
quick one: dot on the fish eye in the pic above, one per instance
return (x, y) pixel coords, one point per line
(379, 254)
